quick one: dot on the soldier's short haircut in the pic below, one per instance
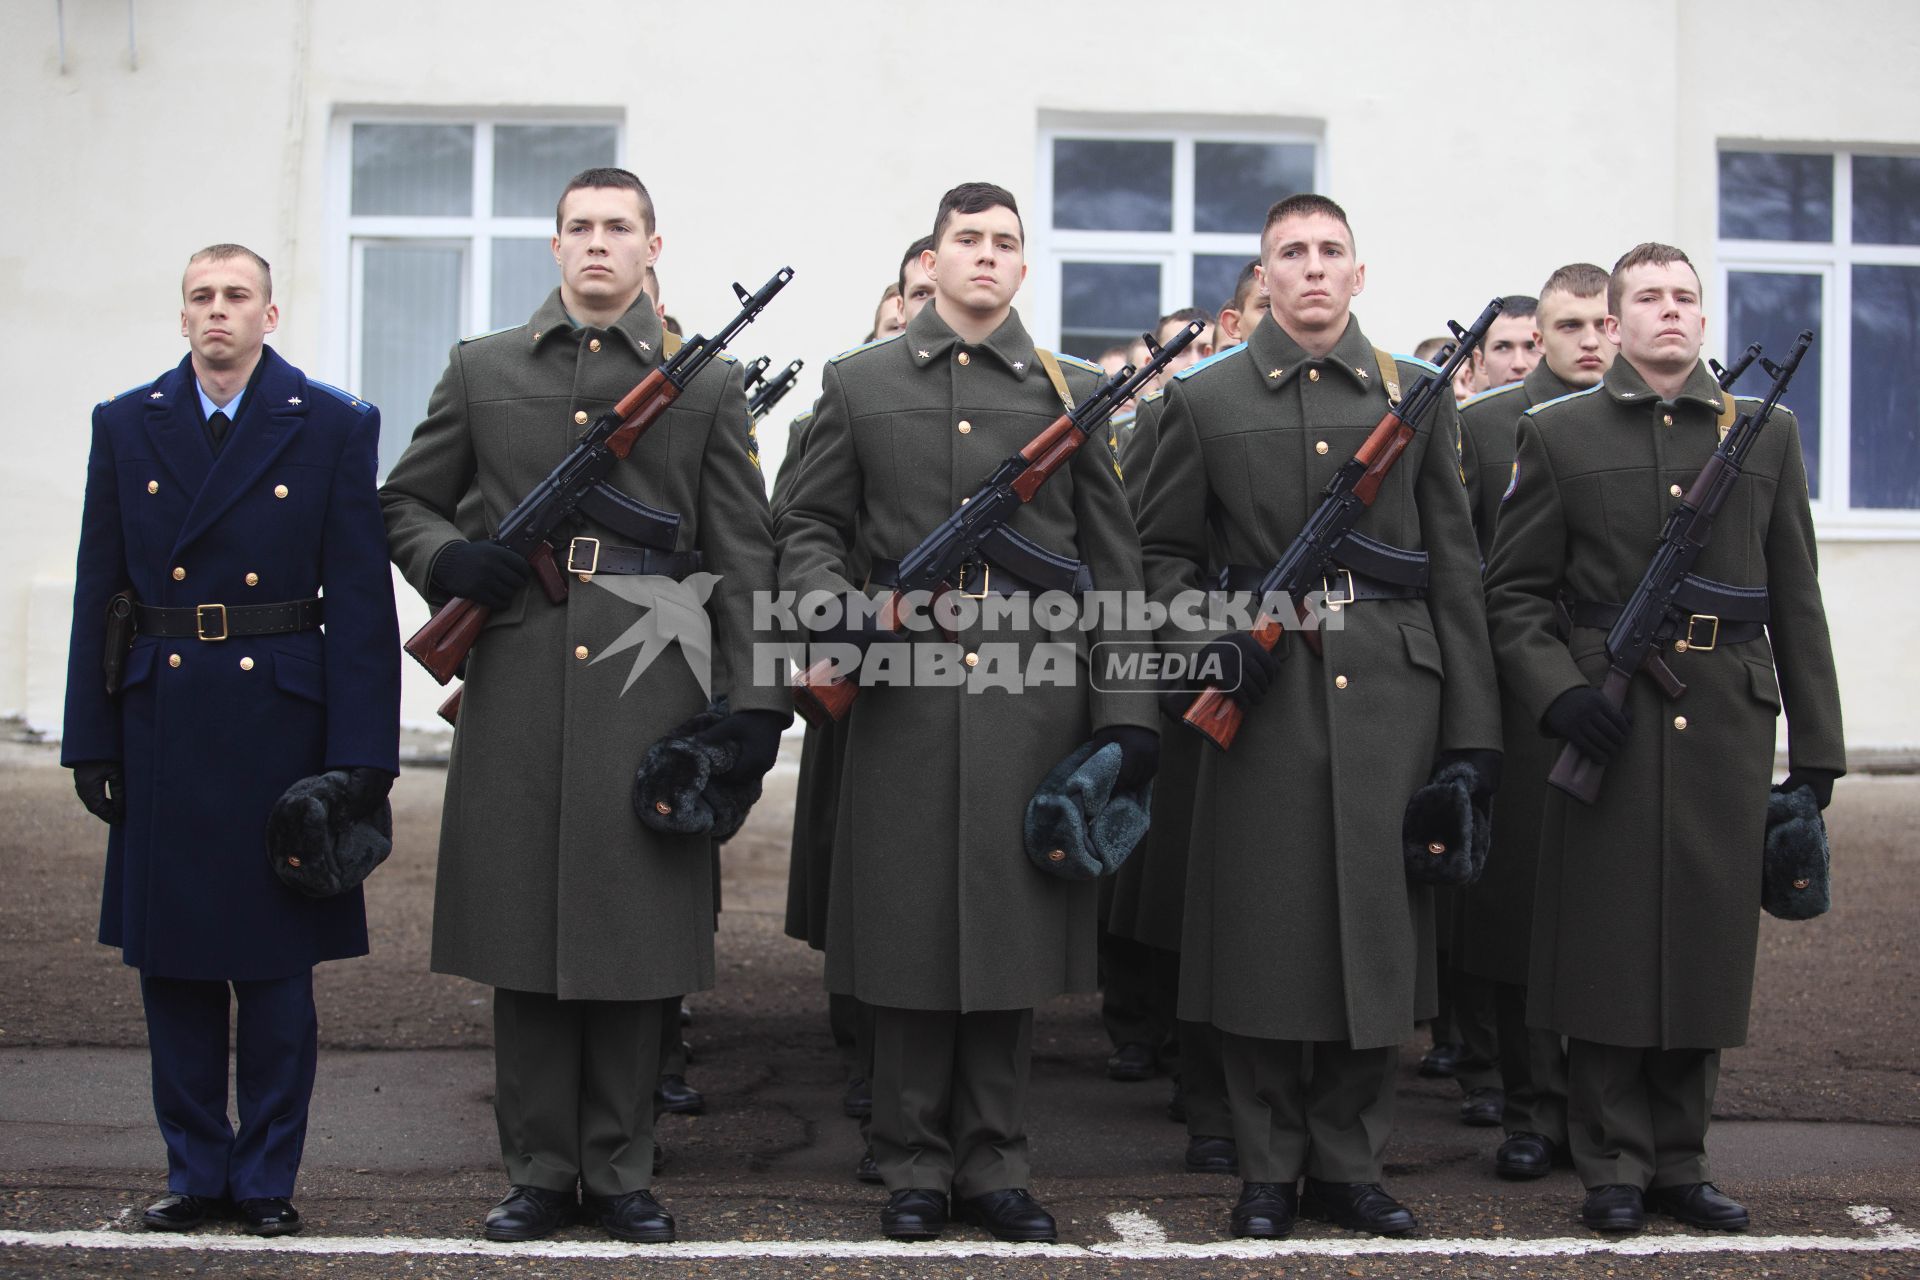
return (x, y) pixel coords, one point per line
(224, 252)
(1183, 317)
(1519, 306)
(606, 177)
(1242, 287)
(912, 254)
(1650, 254)
(1429, 348)
(1118, 351)
(1305, 204)
(976, 197)
(1581, 279)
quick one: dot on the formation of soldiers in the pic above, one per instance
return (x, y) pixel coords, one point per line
(1275, 933)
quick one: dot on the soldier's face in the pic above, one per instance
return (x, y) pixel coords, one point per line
(224, 312)
(1237, 322)
(919, 289)
(887, 319)
(1193, 353)
(1660, 324)
(1573, 337)
(1310, 274)
(1511, 349)
(604, 246)
(979, 263)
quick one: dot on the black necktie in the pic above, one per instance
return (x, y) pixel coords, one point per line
(217, 428)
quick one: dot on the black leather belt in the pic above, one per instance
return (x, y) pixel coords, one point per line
(1007, 564)
(1363, 569)
(1706, 613)
(220, 621)
(590, 556)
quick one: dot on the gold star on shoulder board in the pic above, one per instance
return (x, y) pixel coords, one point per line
(1276, 373)
(1362, 374)
(1018, 366)
(643, 344)
(924, 355)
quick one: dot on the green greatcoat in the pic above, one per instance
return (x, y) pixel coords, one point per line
(1647, 907)
(1300, 922)
(547, 881)
(934, 903)
(1493, 918)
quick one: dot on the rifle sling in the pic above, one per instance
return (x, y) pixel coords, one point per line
(1051, 363)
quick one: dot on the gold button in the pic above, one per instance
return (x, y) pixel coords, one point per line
(153, 486)
(173, 659)
(964, 358)
(179, 574)
(1056, 855)
(580, 651)
(1681, 646)
(1667, 419)
(965, 501)
(1674, 489)
(972, 659)
(662, 808)
(593, 344)
(1436, 848)
(536, 335)
(1313, 375)
(293, 862)
(279, 491)
(1679, 722)
(965, 426)
(580, 417)
(1339, 682)
(253, 579)
(1319, 446)
(246, 664)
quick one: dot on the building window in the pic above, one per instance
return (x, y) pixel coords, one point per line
(1134, 223)
(445, 230)
(1831, 242)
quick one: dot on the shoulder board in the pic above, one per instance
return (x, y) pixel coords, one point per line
(1078, 363)
(121, 395)
(1490, 393)
(868, 346)
(490, 333)
(1416, 362)
(1154, 395)
(805, 417)
(727, 356)
(1215, 358)
(1571, 395)
(345, 397)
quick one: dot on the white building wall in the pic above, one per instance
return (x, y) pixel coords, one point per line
(1476, 147)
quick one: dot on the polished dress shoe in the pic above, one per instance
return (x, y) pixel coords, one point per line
(1614, 1207)
(635, 1217)
(1699, 1204)
(674, 1094)
(1132, 1062)
(528, 1213)
(914, 1214)
(1438, 1062)
(1212, 1155)
(1265, 1211)
(867, 1170)
(269, 1216)
(857, 1102)
(1012, 1215)
(181, 1213)
(1523, 1156)
(1481, 1108)
(1357, 1206)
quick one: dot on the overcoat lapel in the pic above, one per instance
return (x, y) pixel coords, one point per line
(173, 425)
(274, 410)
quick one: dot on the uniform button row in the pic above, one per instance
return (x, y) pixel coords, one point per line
(173, 660)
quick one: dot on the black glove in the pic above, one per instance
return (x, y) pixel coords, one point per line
(754, 735)
(1594, 726)
(366, 789)
(1139, 751)
(484, 572)
(1257, 666)
(103, 790)
(1818, 781)
(1486, 770)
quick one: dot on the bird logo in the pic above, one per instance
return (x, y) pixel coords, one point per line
(673, 611)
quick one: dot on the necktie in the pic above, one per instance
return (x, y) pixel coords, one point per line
(217, 428)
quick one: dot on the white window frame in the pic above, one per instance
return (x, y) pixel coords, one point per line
(1049, 249)
(1832, 260)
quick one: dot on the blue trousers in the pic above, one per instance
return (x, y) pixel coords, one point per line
(276, 1047)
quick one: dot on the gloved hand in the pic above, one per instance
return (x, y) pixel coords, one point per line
(1594, 726)
(1139, 752)
(102, 789)
(1819, 781)
(1257, 666)
(484, 572)
(755, 735)
(366, 789)
(1486, 770)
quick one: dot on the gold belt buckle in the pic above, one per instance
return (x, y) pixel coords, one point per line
(986, 577)
(200, 615)
(592, 566)
(1713, 636)
(1333, 601)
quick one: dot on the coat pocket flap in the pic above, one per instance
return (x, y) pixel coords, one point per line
(1766, 686)
(300, 677)
(1423, 650)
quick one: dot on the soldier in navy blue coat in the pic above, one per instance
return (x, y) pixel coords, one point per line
(226, 497)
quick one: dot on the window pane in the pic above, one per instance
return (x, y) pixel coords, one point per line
(532, 163)
(523, 275)
(1886, 367)
(1771, 308)
(417, 169)
(409, 317)
(1775, 196)
(1214, 275)
(1103, 185)
(1886, 199)
(1103, 303)
(1234, 183)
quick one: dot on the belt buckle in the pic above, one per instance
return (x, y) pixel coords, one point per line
(986, 577)
(592, 566)
(200, 615)
(1713, 636)
(1331, 600)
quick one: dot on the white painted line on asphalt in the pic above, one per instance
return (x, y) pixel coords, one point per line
(1884, 1240)
(1136, 1228)
(1870, 1215)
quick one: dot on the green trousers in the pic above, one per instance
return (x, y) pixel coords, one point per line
(1318, 1107)
(1639, 1116)
(851, 1021)
(573, 1090)
(950, 1099)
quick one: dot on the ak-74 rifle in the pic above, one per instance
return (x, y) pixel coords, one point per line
(760, 403)
(820, 693)
(1650, 615)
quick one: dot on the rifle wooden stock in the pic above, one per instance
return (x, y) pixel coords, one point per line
(442, 645)
(1045, 454)
(639, 409)
(1215, 713)
(450, 709)
(1575, 772)
(819, 695)
(1381, 449)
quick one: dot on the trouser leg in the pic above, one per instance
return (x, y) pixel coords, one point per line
(989, 1121)
(863, 1048)
(1127, 991)
(276, 1052)
(672, 1053)
(843, 1020)
(1444, 1028)
(536, 1103)
(1680, 1088)
(1203, 1081)
(1267, 1096)
(619, 1060)
(1478, 1066)
(913, 1059)
(1609, 1124)
(1349, 1108)
(187, 1041)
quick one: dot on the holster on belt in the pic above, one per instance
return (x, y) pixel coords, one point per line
(119, 634)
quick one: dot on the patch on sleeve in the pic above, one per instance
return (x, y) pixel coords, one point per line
(1513, 481)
